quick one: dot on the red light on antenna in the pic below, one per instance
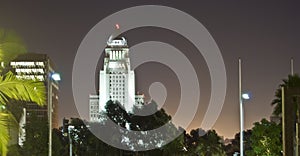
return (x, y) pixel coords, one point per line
(117, 26)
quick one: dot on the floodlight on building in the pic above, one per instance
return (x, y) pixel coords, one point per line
(55, 76)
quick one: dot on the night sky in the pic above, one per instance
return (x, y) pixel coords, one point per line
(265, 34)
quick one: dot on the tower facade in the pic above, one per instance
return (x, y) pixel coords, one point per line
(116, 80)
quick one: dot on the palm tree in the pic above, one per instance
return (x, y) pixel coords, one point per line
(293, 81)
(12, 87)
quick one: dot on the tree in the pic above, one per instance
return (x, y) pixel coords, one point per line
(14, 150)
(37, 132)
(211, 144)
(84, 142)
(57, 143)
(265, 139)
(176, 147)
(79, 135)
(131, 121)
(13, 88)
(208, 143)
(293, 81)
(291, 87)
(234, 146)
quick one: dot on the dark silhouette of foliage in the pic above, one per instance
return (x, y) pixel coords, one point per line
(293, 81)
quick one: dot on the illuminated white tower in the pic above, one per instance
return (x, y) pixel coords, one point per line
(116, 80)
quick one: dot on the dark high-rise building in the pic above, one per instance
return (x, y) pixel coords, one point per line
(40, 67)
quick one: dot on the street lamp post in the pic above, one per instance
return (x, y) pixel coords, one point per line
(241, 110)
(51, 77)
(242, 96)
(70, 139)
(283, 119)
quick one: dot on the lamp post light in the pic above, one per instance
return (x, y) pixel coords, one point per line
(245, 96)
(51, 77)
(242, 96)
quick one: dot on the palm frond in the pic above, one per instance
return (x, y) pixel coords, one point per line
(4, 135)
(7, 121)
(21, 89)
(291, 82)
